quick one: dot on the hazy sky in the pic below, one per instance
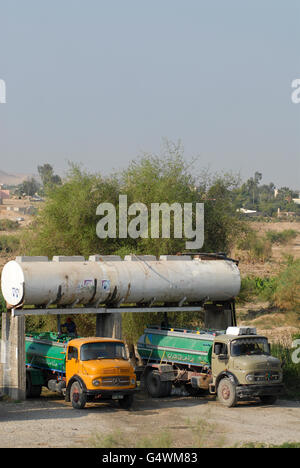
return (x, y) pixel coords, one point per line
(99, 82)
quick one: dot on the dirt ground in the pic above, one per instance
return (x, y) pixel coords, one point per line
(293, 248)
(14, 215)
(186, 422)
(279, 252)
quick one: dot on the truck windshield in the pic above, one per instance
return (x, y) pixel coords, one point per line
(103, 350)
(250, 346)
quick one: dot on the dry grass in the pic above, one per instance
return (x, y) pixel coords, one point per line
(197, 434)
(273, 323)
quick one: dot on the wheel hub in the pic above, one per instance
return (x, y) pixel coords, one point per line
(76, 396)
(226, 392)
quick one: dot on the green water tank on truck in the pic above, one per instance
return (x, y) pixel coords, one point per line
(234, 365)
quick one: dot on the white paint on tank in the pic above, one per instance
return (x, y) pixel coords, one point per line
(12, 283)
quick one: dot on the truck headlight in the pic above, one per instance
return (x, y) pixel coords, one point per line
(250, 378)
(132, 381)
(96, 383)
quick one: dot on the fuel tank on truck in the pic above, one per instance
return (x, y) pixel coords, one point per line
(46, 351)
(109, 280)
(177, 346)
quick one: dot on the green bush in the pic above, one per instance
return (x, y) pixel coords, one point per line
(258, 248)
(9, 243)
(256, 288)
(248, 290)
(265, 287)
(283, 237)
(287, 293)
(2, 304)
(291, 370)
(282, 291)
(8, 225)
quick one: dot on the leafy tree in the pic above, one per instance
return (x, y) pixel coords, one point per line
(29, 187)
(49, 179)
(66, 224)
(251, 195)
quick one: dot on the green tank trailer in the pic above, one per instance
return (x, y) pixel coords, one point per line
(45, 358)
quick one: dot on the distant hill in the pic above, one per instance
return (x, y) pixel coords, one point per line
(13, 179)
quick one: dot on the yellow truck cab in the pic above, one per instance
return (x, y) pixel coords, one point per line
(98, 369)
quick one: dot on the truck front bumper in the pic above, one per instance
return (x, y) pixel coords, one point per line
(109, 394)
(250, 391)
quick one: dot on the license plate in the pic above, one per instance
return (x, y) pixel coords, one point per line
(117, 396)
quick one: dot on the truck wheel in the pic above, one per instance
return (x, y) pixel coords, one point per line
(78, 398)
(126, 402)
(268, 399)
(28, 385)
(227, 393)
(155, 387)
(32, 391)
(166, 388)
(36, 391)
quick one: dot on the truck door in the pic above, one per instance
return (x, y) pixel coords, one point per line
(72, 362)
(220, 358)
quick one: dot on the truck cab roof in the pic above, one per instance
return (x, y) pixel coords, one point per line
(228, 338)
(80, 341)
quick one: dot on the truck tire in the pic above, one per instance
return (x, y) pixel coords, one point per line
(227, 393)
(154, 386)
(77, 396)
(32, 391)
(126, 402)
(167, 388)
(268, 399)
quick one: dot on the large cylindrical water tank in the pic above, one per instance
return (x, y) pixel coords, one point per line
(109, 280)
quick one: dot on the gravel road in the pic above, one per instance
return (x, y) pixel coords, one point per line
(185, 421)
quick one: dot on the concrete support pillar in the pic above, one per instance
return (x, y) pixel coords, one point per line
(5, 353)
(13, 372)
(217, 317)
(109, 325)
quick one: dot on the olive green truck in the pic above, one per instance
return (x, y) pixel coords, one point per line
(234, 365)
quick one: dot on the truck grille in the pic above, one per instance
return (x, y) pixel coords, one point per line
(115, 381)
(266, 376)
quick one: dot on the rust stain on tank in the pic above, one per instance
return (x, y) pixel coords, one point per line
(128, 292)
